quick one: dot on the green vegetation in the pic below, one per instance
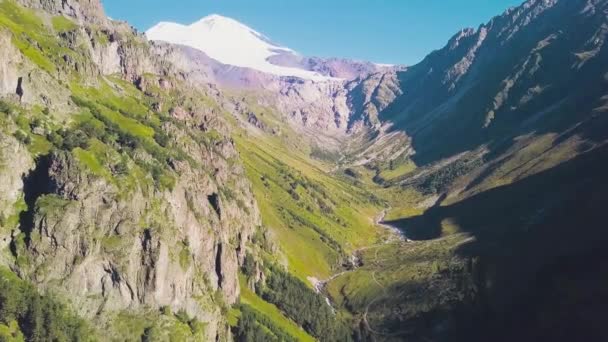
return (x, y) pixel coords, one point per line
(253, 326)
(27, 315)
(440, 180)
(30, 126)
(303, 306)
(402, 281)
(63, 24)
(270, 313)
(113, 137)
(12, 220)
(11, 332)
(397, 170)
(316, 218)
(184, 255)
(90, 161)
(156, 326)
(33, 38)
(6, 108)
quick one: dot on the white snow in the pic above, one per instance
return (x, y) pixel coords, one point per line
(229, 42)
(384, 65)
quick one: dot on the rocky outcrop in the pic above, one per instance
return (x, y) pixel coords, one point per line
(23, 81)
(85, 11)
(108, 250)
(10, 59)
(103, 241)
(15, 161)
(369, 97)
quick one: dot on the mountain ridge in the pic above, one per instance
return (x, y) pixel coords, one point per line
(162, 195)
(230, 42)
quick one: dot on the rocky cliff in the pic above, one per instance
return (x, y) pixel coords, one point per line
(85, 11)
(335, 108)
(127, 199)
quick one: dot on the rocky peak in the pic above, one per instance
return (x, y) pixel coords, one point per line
(456, 40)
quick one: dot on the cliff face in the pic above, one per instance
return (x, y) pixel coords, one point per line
(85, 11)
(150, 247)
(129, 198)
(334, 108)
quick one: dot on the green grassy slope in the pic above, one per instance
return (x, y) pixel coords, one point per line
(316, 218)
(249, 297)
(531, 199)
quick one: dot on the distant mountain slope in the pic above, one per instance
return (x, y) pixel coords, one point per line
(538, 68)
(321, 97)
(508, 125)
(230, 42)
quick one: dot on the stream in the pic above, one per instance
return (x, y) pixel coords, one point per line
(397, 234)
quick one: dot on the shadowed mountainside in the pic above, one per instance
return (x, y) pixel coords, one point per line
(529, 237)
(510, 77)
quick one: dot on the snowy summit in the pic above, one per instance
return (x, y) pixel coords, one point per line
(229, 42)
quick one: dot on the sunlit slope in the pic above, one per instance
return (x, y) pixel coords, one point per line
(318, 219)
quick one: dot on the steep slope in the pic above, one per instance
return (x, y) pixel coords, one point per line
(123, 194)
(503, 186)
(510, 77)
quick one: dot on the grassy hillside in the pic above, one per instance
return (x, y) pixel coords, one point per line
(531, 199)
(318, 219)
(270, 312)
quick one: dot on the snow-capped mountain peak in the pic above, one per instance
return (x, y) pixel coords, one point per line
(230, 42)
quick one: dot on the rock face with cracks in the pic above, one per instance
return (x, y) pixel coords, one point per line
(106, 244)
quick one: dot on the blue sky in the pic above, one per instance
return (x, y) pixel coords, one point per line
(382, 31)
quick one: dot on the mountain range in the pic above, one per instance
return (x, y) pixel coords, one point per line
(202, 182)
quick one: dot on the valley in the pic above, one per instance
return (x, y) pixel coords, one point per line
(202, 183)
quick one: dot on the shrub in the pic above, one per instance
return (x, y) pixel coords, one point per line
(249, 265)
(121, 168)
(161, 138)
(36, 122)
(94, 129)
(304, 306)
(166, 310)
(5, 107)
(55, 139)
(73, 139)
(40, 318)
(23, 137)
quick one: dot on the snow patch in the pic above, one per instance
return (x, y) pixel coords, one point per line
(384, 65)
(230, 42)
